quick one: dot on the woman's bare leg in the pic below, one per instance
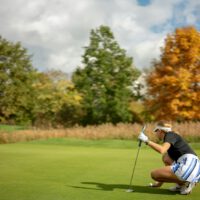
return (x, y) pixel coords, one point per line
(165, 175)
(167, 161)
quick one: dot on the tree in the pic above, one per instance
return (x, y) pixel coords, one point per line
(174, 82)
(106, 79)
(16, 78)
(57, 102)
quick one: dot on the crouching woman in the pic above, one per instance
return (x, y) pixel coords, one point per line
(184, 168)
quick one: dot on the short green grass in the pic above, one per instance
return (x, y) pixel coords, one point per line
(71, 169)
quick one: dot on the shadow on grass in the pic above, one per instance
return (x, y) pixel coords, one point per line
(111, 187)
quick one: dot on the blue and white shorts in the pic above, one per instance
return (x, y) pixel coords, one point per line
(187, 168)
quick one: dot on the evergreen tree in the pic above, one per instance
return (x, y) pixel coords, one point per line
(106, 79)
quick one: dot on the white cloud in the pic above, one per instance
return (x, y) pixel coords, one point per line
(55, 31)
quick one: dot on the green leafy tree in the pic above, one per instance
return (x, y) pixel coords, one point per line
(106, 79)
(57, 102)
(16, 78)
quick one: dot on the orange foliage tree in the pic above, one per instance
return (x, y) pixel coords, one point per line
(174, 81)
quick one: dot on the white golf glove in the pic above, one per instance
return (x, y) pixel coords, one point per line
(142, 137)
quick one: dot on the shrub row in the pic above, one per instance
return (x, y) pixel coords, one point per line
(190, 131)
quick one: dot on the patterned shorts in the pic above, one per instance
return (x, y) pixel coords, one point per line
(187, 168)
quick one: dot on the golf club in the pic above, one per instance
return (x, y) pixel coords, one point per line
(139, 145)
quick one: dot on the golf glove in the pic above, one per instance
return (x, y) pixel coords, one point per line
(142, 137)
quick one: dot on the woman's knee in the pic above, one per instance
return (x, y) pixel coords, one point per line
(154, 175)
(167, 160)
(157, 174)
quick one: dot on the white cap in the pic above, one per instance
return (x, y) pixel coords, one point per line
(163, 128)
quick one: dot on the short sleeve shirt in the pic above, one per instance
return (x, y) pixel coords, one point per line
(178, 146)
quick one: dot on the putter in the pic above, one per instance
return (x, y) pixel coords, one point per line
(139, 145)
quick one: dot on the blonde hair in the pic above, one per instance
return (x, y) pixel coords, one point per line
(164, 126)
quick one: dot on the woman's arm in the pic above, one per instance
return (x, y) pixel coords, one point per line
(159, 148)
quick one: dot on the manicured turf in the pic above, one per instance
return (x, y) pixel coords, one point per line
(69, 169)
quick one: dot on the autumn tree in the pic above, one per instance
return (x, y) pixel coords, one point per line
(174, 82)
(105, 79)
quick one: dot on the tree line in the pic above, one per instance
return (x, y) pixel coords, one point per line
(102, 90)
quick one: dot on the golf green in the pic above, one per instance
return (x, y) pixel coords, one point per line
(70, 169)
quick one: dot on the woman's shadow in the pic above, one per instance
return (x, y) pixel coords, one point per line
(111, 187)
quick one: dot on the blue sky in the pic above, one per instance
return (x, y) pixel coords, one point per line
(55, 31)
(144, 2)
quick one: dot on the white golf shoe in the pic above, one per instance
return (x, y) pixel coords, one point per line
(187, 188)
(176, 188)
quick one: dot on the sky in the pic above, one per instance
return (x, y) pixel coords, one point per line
(55, 31)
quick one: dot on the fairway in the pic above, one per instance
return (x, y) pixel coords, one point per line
(70, 169)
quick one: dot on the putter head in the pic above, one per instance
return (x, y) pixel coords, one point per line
(130, 190)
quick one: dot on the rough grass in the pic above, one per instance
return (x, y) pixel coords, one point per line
(66, 169)
(190, 131)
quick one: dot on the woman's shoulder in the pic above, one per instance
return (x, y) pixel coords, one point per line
(172, 134)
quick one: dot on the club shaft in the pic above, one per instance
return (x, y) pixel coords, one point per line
(134, 165)
(139, 145)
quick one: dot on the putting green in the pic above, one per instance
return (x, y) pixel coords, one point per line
(69, 169)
